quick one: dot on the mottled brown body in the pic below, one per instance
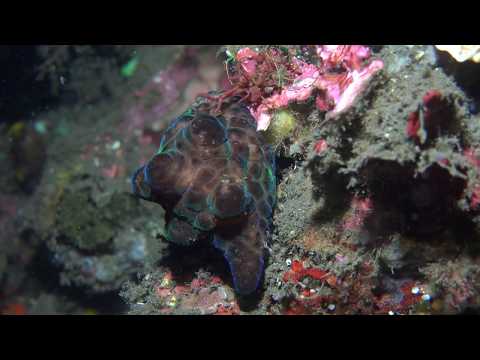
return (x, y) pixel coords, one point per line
(214, 174)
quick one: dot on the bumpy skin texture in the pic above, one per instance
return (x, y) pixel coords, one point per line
(215, 177)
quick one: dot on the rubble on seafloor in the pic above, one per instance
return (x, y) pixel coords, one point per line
(378, 188)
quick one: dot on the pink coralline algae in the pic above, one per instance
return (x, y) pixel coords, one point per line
(430, 118)
(474, 160)
(320, 146)
(208, 296)
(360, 209)
(344, 76)
(336, 81)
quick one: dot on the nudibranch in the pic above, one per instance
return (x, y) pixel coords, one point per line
(215, 177)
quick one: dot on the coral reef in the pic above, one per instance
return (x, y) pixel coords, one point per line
(93, 248)
(378, 188)
(81, 234)
(96, 234)
(272, 78)
(366, 199)
(97, 239)
(412, 170)
(393, 189)
(213, 173)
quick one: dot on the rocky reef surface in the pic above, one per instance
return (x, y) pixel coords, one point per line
(377, 175)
